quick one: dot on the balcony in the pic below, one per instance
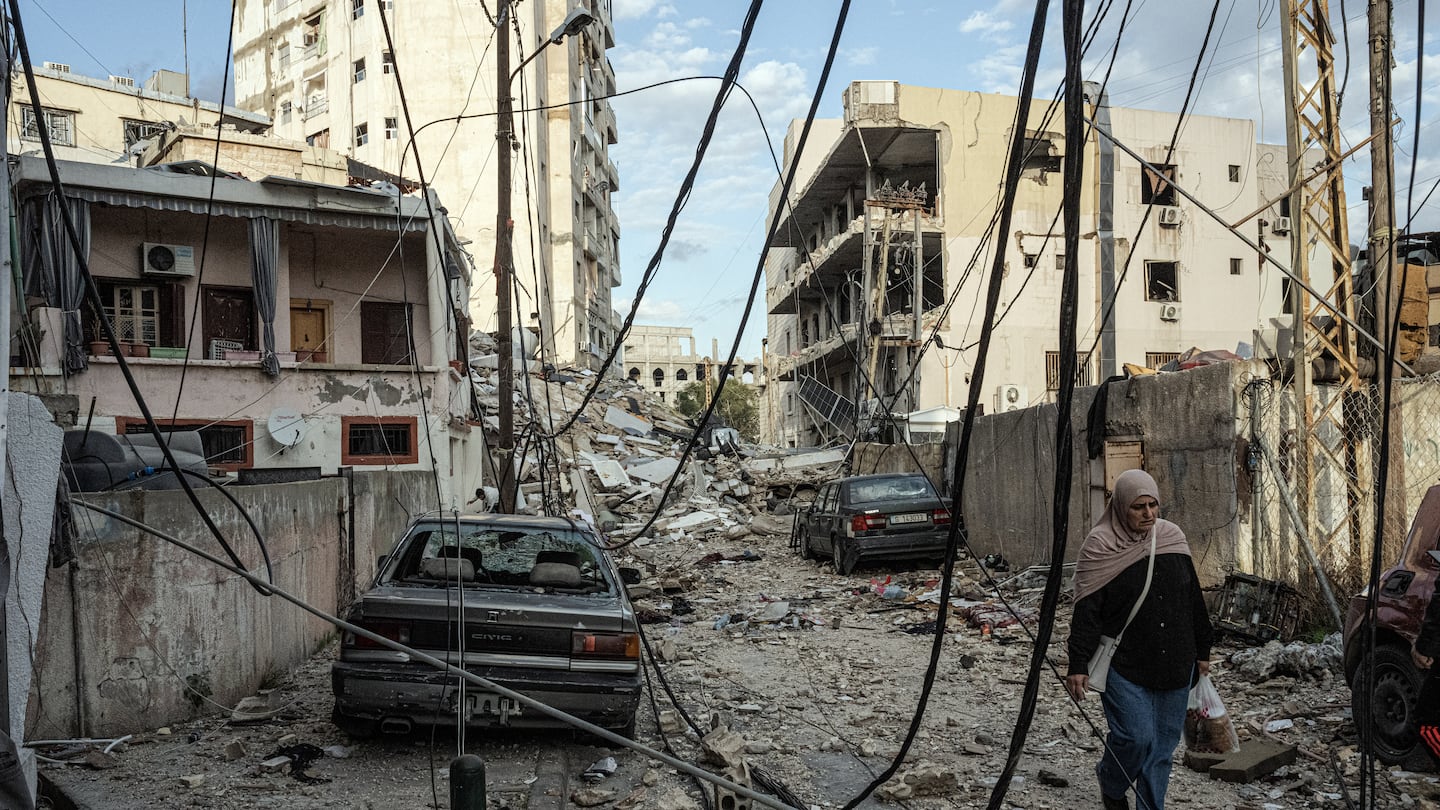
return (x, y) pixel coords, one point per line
(836, 259)
(831, 350)
(316, 106)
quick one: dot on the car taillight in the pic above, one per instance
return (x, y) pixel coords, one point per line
(864, 523)
(940, 517)
(395, 631)
(585, 644)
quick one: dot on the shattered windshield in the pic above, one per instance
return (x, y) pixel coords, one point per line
(523, 557)
(890, 489)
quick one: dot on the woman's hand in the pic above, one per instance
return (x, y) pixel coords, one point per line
(1076, 684)
(1203, 667)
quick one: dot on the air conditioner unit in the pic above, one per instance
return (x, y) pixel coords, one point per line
(58, 67)
(1282, 225)
(1011, 398)
(123, 81)
(1169, 215)
(167, 260)
(1169, 312)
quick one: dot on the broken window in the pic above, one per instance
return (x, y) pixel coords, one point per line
(1234, 173)
(137, 131)
(59, 124)
(1039, 156)
(372, 440)
(358, 70)
(1158, 188)
(1031, 259)
(362, 134)
(1162, 281)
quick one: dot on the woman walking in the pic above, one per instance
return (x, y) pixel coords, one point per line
(1135, 581)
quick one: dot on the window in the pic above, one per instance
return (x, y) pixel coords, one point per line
(1237, 267)
(282, 57)
(1038, 156)
(659, 377)
(137, 131)
(134, 312)
(385, 333)
(1162, 281)
(1234, 173)
(1158, 189)
(378, 440)
(310, 35)
(1158, 359)
(392, 129)
(1059, 261)
(634, 375)
(357, 9)
(1031, 259)
(359, 72)
(362, 134)
(286, 108)
(320, 139)
(1052, 371)
(387, 62)
(227, 444)
(59, 124)
(388, 5)
(680, 375)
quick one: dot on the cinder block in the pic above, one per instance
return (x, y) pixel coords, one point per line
(1255, 759)
(1201, 762)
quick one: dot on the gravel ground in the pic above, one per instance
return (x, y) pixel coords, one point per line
(822, 696)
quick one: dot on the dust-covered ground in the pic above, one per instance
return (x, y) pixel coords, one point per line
(817, 674)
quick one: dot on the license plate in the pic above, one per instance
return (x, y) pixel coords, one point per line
(492, 705)
(914, 517)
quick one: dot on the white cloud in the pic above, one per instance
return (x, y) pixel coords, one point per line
(861, 57)
(634, 9)
(984, 22)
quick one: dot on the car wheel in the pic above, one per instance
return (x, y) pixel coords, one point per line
(357, 728)
(847, 556)
(806, 552)
(1392, 707)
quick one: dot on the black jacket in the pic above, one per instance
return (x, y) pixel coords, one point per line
(1170, 633)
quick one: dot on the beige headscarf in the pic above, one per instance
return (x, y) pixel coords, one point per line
(1111, 547)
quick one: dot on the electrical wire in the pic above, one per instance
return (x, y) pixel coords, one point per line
(93, 294)
(209, 215)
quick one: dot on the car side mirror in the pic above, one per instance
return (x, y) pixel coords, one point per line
(380, 562)
(630, 576)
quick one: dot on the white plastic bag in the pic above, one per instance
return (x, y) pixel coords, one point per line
(1208, 727)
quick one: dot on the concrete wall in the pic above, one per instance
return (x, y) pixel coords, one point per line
(144, 630)
(933, 459)
(1187, 426)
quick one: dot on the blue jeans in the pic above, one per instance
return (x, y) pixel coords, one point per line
(1145, 726)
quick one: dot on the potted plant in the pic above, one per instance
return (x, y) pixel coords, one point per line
(139, 350)
(100, 348)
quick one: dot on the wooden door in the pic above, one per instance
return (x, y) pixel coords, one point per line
(307, 329)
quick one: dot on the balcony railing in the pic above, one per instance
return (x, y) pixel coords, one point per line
(316, 106)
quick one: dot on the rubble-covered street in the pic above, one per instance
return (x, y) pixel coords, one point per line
(809, 676)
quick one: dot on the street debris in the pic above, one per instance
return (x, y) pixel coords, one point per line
(1298, 659)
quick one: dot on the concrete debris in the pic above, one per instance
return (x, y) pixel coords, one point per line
(658, 471)
(193, 781)
(626, 422)
(592, 797)
(257, 708)
(601, 770)
(723, 746)
(1315, 662)
(920, 779)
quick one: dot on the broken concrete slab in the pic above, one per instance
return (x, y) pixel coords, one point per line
(622, 420)
(657, 471)
(794, 461)
(1256, 758)
(611, 474)
(693, 520)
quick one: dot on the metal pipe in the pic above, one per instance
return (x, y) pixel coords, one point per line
(483, 683)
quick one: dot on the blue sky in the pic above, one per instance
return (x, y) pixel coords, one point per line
(961, 44)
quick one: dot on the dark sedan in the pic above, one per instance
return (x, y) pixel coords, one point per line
(545, 614)
(874, 517)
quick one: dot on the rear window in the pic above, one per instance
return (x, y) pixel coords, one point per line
(513, 557)
(890, 489)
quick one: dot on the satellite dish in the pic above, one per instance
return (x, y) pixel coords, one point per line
(285, 425)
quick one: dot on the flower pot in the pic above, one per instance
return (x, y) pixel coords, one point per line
(100, 348)
(139, 350)
(311, 355)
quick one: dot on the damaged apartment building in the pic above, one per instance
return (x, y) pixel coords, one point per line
(884, 241)
(324, 74)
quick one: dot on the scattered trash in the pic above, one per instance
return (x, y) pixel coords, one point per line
(600, 770)
(298, 758)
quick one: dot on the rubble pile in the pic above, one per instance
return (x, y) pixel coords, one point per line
(1298, 659)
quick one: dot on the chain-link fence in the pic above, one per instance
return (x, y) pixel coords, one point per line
(1315, 484)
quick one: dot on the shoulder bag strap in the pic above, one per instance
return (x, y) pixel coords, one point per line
(1145, 591)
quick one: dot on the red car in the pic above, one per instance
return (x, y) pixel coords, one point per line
(1405, 590)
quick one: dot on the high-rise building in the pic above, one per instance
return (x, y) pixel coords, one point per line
(325, 72)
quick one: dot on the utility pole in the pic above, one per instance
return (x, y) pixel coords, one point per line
(1380, 247)
(504, 259)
